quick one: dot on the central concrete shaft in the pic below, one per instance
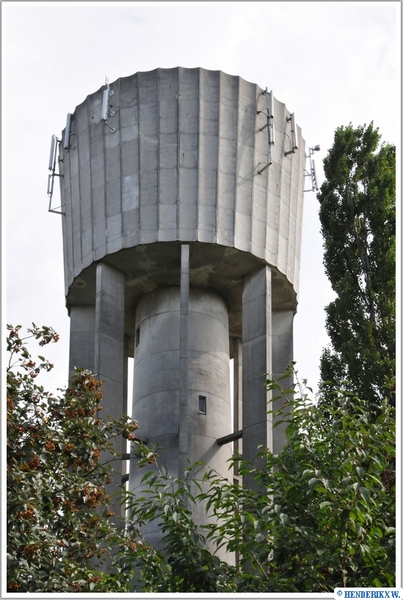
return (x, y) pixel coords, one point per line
(186, 415)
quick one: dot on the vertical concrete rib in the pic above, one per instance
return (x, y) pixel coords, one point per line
(85, 192)
(168, 155)
(246, 121)
(188, 127)
(257, 362)
(208, 156)
(116, 143)
(112, 181)
(218, 164)
(98, 182)
(184, 361)
(128, 123)
(226, 171)
(148, 145)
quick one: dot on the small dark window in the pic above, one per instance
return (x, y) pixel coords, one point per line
(137, 336)
(202, 405)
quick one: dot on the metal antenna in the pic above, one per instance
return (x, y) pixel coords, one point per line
(270, 126)
(106, 109)
(51, 177)
(294, 135)
(312, 171)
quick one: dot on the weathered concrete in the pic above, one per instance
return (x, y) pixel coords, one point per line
(158, 382)
(177, 239)
(182, 166)
(82, 338)
(174, 365)
(109, 359)
(257, 362)
(183, 424)
(282, 357)
(109, 337)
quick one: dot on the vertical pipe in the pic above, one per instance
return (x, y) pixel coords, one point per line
(184, 361)
(125, 464)
(237, 425)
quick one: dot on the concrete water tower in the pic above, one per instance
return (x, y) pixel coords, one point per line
(182, 197)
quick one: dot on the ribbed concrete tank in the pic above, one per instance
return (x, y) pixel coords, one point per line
(183, 201)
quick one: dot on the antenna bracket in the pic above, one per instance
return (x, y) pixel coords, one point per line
(53, 174)
(294, 136)
(269, 125)
(106, 110)
(312, 171)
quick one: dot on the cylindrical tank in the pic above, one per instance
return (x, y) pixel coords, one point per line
(182, 193)
(184, 164)
(156, 386)
(157, 375)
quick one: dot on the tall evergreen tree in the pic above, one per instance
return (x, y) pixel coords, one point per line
(357, 214)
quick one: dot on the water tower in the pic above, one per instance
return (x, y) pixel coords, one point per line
(182, 198)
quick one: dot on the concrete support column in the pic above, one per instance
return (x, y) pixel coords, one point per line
(110, 350)
(184, 361)
(82, 338)
(282, 356)
(109, 338)
(257, 362)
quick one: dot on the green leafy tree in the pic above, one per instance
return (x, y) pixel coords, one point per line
(60, 528)
(184, 563)
(357, 214)
(326, 519)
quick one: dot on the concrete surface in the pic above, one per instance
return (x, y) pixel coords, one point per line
(175, 231)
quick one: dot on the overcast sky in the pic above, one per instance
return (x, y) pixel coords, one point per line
(330, 63)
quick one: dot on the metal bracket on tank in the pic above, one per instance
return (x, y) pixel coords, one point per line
(294, 135)
(67, 134)
(312, 171)
(106, 109)
(51, 178)
(269, 125)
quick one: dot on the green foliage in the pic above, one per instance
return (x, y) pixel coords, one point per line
(325, 520)
(60, 529)
(184, 563)
(357, 214)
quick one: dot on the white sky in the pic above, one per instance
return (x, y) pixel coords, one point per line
(332, 63)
